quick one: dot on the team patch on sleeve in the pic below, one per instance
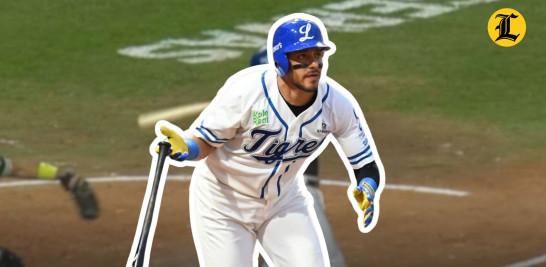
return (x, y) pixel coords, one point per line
(362, 134)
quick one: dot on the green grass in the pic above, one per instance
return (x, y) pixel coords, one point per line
(66, 93)
(448, 66)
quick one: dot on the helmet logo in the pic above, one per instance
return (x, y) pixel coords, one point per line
(306, 32)
(277, 47)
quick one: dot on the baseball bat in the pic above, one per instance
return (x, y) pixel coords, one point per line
(141, 248)
(149, 119)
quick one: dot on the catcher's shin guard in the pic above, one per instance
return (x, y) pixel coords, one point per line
(82, 194)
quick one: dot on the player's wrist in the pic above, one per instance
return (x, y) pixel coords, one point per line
(368, 185)
(193, 148)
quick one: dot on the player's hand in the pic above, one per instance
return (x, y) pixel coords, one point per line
(179, 149)
(364, 194)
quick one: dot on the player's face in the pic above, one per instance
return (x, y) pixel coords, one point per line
(305, 68)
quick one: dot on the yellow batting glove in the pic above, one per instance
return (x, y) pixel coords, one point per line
(46, 171)
(364, 194)
(179, 149)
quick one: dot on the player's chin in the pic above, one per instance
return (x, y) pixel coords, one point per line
(311, 86)
(308, 85)
(309, 89)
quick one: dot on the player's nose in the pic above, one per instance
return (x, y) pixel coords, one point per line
(315, 64)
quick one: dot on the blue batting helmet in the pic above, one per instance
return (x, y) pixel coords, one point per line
(294, 35)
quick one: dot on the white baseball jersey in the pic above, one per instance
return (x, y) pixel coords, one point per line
(261, 145)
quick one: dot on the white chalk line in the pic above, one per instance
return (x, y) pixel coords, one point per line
(400, 187)
(530, 262)
(329, 182)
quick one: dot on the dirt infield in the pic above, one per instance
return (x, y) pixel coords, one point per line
(498, 223)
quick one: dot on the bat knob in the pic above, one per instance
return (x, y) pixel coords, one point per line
(164, 148)
(164, 144)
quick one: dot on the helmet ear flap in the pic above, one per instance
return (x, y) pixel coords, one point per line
(281, 65)
(278, 69)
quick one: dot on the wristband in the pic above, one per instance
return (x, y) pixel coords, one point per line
(193, 149)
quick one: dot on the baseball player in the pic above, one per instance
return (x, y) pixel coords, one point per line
(76, 185)
(255, 136)
(312, 183)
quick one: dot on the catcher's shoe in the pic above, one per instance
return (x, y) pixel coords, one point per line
(82, 193)
(9, 259)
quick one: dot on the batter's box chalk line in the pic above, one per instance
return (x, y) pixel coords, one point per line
(327, 182)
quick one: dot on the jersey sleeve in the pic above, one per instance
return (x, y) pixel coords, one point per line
(351, 136)
(222, 119)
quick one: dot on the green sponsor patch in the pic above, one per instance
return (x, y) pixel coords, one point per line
(260, 117)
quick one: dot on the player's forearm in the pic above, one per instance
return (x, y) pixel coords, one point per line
(369, 170)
